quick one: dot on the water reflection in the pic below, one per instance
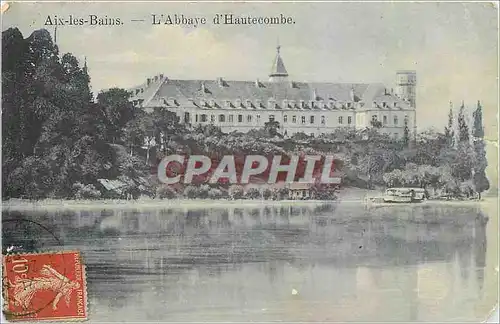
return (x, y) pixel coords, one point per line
(231, 264)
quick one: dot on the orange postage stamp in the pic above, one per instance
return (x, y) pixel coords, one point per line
(44, 286)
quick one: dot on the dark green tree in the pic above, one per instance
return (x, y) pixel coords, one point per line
(480, 180)
(117, 110)
(449, 133)
(272, 128)
(463, 128)
(406, 133)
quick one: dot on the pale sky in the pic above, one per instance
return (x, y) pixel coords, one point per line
(452, 46)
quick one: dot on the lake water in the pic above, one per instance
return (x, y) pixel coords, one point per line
(346, 262)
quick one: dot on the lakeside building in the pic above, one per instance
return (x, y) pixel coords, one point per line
(298, 107)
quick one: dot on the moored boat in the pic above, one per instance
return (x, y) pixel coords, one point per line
(401, 195)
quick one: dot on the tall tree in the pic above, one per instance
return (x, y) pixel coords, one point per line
(118, 111)
(480, 180)
(406, 133)
(463, 128)
(449, 132)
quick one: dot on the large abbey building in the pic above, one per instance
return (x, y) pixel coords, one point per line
(311, 108)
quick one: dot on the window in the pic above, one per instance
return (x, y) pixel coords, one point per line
(374, 118)
(323, 120)
(237, 103)
(271, 104)
(222, 118)
(384, 104)
(186, 118)
(203, 118)
(240, 118)
(249, 118)
(196, 118)
(294, 119)
(395, 104)
(311, 119)
(258, 118)
(349, 120)
(395, 120)
(384, 120)
(349, 105)
(212, 118)
(303, 119)
(230, 118)
(271, 118)
(341, 120)
(285, 119)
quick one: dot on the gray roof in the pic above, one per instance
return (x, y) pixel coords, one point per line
(171, 93)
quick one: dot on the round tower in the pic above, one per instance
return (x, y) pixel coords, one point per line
(406, 82)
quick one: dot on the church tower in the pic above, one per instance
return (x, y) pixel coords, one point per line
(278, 71)
(406, 82)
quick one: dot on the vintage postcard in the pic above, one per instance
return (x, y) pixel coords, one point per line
(250, 161)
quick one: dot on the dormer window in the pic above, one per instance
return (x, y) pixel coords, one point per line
(311, 103)
(211, 103)
(227, 103)
(237, 103)
(395, 104)
(291, 103)
(285, 103)
(257, 103)
(248, 103)
(271, 103)
(349, 105)
(384, 104)
(302, 104)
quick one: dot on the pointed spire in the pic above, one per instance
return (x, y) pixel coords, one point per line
(55, 35)
(278, 70)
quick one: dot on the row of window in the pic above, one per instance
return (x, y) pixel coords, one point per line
(303, 120)
(272, 103)
(222, 119)
(384, 119)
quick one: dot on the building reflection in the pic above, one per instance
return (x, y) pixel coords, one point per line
(344, 255)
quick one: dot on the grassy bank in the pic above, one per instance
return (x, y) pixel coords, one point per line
(54, 204)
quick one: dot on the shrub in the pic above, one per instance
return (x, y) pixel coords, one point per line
(252, 193)
(166, 191)
(86, 191)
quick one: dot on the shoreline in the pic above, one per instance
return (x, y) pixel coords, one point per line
(54, 204)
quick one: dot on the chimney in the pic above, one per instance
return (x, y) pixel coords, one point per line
(161, 76)
(392, 91)
(203, 89)
(314, 95)
(257, 83)
(149, 81)
(220, 82)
